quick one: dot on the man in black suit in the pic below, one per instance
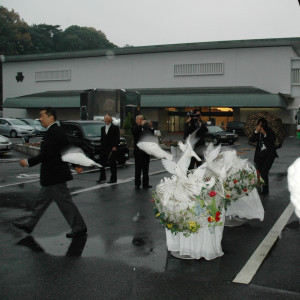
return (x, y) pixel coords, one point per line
(110, 139)
(265, 152)
(142, 159)
(54, 174)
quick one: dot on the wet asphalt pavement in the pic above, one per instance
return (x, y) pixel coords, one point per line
(124, 255)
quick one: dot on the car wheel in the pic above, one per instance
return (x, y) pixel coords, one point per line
(215, 142)
(13, 134)
(231, 143)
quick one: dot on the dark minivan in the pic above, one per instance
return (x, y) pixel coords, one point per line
(86, 135)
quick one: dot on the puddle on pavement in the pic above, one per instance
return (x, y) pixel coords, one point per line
(135, 251)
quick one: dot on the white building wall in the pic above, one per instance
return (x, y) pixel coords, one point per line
(268, 68)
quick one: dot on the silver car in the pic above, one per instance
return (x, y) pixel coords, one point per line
(5, 144)
(14, 128)
(36, 124)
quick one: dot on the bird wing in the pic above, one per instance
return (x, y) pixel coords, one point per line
(192, 139)
(155, 150)
(169, 165)
(79, 159)
(212, 153)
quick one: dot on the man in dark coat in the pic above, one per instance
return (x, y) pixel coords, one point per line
(110, 139)
(194, 122)
(142, 159)
(54, 174)
(265, 152)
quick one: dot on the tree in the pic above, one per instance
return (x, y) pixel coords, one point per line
(76, 38)
(128, 123)
(14, 35)
(44, 38)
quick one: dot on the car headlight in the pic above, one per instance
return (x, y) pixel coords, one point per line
(223, 136)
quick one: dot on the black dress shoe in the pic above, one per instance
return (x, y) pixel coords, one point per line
(137, 187)
(147, 187)
(74, 234)
(22, 227)
(101, 180)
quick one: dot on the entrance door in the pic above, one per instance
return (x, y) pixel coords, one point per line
(176, 123)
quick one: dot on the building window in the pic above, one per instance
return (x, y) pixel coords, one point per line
(214, 68)
(53, 75)
(295, 76)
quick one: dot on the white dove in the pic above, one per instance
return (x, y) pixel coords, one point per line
(181, 167)
(154, 149)
(294, 184)
(79, 159)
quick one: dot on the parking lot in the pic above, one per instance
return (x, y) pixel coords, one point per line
(125, 255)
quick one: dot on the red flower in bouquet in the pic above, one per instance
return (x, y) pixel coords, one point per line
(212, 193)
(245, 190)
(214, 219)
(235, 181)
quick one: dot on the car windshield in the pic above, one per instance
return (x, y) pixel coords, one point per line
(92, 130)
(17, 122)
(37, 122)
(214, 129)
(30, 121)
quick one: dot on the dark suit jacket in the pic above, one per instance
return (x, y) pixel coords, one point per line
(111, 139)
(53, 169)
(138, 131)
(189, 129)
(269, 142)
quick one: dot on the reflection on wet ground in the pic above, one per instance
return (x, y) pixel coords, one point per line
(136, 251)
(75, 248)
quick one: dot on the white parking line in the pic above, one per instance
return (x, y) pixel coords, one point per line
(102, 185)
(120, 181)
(18, 183)
(252, 265)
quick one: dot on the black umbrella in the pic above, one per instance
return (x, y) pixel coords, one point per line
(274, 123)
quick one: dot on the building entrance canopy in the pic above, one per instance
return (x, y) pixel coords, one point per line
(63, 99)
(209, 100)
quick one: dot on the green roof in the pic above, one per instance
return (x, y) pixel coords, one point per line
(168, 97)
(293, 42)
(67, 99)
(209, 100)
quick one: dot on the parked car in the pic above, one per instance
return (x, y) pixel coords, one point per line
(86, 135)
(15, 127)
(36, 124)
(5, 144)
(217, 135)
(236, 126)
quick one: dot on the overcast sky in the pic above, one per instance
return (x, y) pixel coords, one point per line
(155, 22)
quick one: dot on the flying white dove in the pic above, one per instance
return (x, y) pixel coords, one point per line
(294, 185)
(154, 149)
(79, 159)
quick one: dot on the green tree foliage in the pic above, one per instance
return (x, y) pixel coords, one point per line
(76, 38)
(128, 123)
(14, 35)
(44, 38)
